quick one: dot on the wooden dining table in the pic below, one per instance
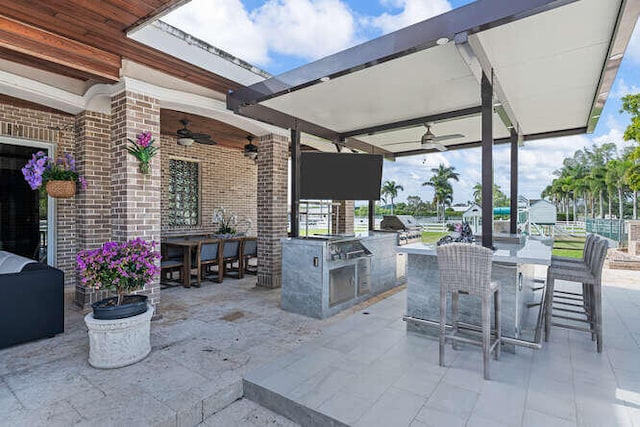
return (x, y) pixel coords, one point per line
(186, 245)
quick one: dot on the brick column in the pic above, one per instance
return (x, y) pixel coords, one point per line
(273, 154)
(633, 228)
(93, 205)
(343, 217)
(135, 200)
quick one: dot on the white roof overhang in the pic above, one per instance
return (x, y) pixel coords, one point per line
(552, 62)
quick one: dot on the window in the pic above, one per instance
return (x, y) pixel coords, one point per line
(184, 192)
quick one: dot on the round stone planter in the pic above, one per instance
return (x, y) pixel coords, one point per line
(119, 342)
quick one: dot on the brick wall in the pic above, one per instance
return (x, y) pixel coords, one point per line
(93, 149)
(26, 121)
(135, 198)
(342, 220)
(273, 153)
(227, 180)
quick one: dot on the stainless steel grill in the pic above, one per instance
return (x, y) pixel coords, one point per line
(406, 227)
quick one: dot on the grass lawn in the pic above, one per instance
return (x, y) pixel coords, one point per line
(569, 247)
(432, 236)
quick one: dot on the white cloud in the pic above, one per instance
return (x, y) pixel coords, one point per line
(304, 28)
(412, 11)
(307, 29)
(224, 24)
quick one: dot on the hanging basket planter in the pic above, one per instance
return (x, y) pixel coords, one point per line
(61, 189)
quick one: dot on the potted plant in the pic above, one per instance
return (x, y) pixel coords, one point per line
(143, 150)
(226, 221)
(59, 176)
(119, 327)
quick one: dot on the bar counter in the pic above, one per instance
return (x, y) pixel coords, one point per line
(515, 258)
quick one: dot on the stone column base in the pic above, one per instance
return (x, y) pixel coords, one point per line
(120, 342)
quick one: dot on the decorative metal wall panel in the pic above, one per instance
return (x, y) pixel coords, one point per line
(184, 192)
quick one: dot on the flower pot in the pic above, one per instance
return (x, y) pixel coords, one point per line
(107, 309)
(119, 342)
(61, 189)
(145, 168)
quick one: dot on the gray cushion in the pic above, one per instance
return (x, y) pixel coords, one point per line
(12, 263)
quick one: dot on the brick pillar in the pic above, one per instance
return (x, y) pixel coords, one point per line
(273, 154)
(633, 228)
(93, 205)
(343, 217)
(135, 200)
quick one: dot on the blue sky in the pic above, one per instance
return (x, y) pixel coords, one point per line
(279, 35)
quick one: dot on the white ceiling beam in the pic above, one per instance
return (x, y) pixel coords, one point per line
(473, 54)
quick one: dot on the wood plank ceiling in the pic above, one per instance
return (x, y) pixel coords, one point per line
(86, 39)
(224, 134)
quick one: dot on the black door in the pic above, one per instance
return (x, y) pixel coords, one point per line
(23, 211)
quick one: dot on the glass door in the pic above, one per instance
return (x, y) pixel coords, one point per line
(24, 213)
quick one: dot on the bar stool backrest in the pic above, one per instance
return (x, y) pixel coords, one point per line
(589, 244)
(598, 256)
(209, 249)
(465, 267)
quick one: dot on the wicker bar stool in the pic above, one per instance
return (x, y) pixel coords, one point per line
(466, 269)
(572, 298)
(590, 277)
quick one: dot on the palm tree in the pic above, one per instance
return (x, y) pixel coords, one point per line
(390, 188)
(615, 179)
(477, 193)
(443, 192)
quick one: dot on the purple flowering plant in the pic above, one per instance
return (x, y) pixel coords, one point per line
(41, 169)
(121, 267)
(143, 150)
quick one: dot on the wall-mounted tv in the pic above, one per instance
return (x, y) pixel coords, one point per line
(340, 176)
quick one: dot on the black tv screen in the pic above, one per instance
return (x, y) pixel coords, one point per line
(340, 176)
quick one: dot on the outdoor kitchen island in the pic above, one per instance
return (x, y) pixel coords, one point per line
(514, 262)
(322, 275)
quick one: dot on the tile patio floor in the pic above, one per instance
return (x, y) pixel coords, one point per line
(360, 369)
(367, 371)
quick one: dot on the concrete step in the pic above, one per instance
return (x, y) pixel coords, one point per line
(287, 407)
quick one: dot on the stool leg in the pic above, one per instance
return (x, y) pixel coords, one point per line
(486, 333)
(597, 291)
(548, 306)
(497, 313)
(454, 317)
(443, 318)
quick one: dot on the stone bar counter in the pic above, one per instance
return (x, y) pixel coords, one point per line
(322, 275)
(514, 263)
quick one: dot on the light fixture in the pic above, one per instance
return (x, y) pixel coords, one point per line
(616, 56)
(250, 150)
(442, 40)
(325, 79)
(185, 141)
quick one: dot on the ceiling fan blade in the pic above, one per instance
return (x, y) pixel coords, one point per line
(196, 135)
(434, 145)
(446, 137)
(403, 142)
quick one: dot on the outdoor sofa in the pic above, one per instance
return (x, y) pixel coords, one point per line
(31, 300)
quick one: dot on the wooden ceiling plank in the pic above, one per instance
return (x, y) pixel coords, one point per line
(107, 9)
(37, 35)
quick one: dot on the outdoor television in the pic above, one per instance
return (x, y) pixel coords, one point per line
(340, 176)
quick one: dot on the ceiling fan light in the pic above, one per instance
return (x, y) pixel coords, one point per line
(184, 141)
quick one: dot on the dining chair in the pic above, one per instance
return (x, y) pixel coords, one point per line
(465, 269)
(172, 260)
(231, 254)
(249, 251)
(209, 254)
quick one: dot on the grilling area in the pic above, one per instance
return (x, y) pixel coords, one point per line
(283, 324)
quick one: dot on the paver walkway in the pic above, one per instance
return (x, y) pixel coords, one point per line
(367, 371)
(205, 342)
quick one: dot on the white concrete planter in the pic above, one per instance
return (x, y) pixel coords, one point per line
(119, 342)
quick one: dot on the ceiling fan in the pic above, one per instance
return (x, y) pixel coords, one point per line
(186, 137)
(250, 150)
(430, 141)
